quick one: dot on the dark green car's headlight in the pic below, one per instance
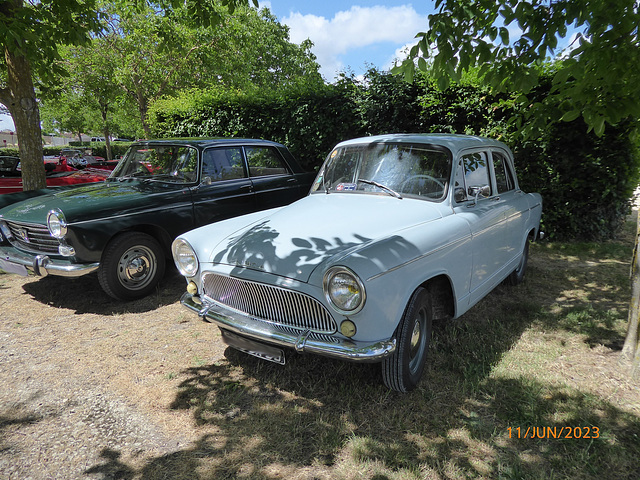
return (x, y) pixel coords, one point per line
(344, 290)
(56, 224)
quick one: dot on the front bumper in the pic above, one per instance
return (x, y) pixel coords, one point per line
(343, 349)
(13, 260)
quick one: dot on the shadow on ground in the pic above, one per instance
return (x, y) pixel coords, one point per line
(84, 294)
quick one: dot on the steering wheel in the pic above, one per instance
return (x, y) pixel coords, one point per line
(427, 177)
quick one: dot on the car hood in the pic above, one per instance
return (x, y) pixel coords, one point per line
(96, 200)
(325, 229)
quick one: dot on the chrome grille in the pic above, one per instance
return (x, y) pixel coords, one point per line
(32, 237)
(275, 305)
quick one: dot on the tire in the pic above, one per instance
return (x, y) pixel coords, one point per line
(132, 265)
(517, 276)
(403, 369)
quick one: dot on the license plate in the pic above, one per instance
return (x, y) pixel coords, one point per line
(257, 349)
(13, 268)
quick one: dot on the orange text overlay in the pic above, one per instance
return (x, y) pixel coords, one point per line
(553, 432)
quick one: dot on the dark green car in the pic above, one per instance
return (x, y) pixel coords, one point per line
(123, 227)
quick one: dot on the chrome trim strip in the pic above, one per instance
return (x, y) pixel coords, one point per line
(343, 349)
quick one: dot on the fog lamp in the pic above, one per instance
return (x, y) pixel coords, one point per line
(192, 288)
(348, 328)
(66, 251)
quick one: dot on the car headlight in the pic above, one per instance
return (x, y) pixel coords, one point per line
(56, 224)
(184, 257)
(344, 290)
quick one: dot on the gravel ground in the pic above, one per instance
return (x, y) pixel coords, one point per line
(85, 382)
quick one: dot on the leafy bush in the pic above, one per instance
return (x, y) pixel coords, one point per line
(586, 181)
(309, 122)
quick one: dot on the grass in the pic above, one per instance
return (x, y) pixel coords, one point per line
(541, 356)
(524, 357)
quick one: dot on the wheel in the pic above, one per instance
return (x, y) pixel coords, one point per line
(402, 370)
(131, 267)
(517, 276)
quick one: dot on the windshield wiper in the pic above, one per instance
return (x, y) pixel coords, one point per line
(383, 187)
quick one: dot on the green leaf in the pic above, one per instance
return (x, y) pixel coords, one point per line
(598, 125)
(443, 82)
(571, 115)
(504, 35)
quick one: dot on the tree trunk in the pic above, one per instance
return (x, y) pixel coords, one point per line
(26, 116)
(631, 348)
(105, 131)
(142, 110)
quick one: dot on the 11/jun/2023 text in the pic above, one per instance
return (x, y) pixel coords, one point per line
(554, 432)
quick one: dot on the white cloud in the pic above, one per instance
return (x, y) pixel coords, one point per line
(356, 28)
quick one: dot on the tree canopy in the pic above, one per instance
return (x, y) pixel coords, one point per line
(151, 55)
(31, 33)
(510, 41)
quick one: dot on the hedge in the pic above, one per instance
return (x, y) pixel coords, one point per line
(586, 181)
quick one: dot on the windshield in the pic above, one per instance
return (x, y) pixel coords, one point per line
(167, 163)
(398, 169)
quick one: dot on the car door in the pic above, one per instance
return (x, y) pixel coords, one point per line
(273, 182)
(225, 190)
(516, 206)
(475, 200)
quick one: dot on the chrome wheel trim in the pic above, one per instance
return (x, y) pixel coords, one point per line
(418, 340)
(137, 267)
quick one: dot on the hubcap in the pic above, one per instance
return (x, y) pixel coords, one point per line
(137, 267)
(418, 343)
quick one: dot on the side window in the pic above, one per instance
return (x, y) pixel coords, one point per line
(476, 172)
(265, 161)
(459, 189)
(222, 164)
(504, 175)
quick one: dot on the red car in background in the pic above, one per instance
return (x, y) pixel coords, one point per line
(58, 173)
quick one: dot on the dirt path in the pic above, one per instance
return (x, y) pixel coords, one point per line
(85, 382)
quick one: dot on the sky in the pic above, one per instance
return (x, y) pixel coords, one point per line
(351, 37)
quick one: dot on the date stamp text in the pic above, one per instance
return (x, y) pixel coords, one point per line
(554, 432)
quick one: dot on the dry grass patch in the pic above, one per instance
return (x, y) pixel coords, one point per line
(181, 406)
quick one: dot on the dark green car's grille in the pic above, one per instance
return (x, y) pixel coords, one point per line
(33, 238)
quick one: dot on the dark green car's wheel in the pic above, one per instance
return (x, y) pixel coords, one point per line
(517, 276)
(131, 267)
(402, 370)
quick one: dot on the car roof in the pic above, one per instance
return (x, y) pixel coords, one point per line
(453, 142)
(206, 142)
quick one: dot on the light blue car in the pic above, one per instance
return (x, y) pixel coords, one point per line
(397, 231)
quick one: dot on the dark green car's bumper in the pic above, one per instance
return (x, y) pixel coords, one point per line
(13, 260)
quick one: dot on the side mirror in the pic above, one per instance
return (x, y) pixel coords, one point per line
(458, 195)
(206, 181)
